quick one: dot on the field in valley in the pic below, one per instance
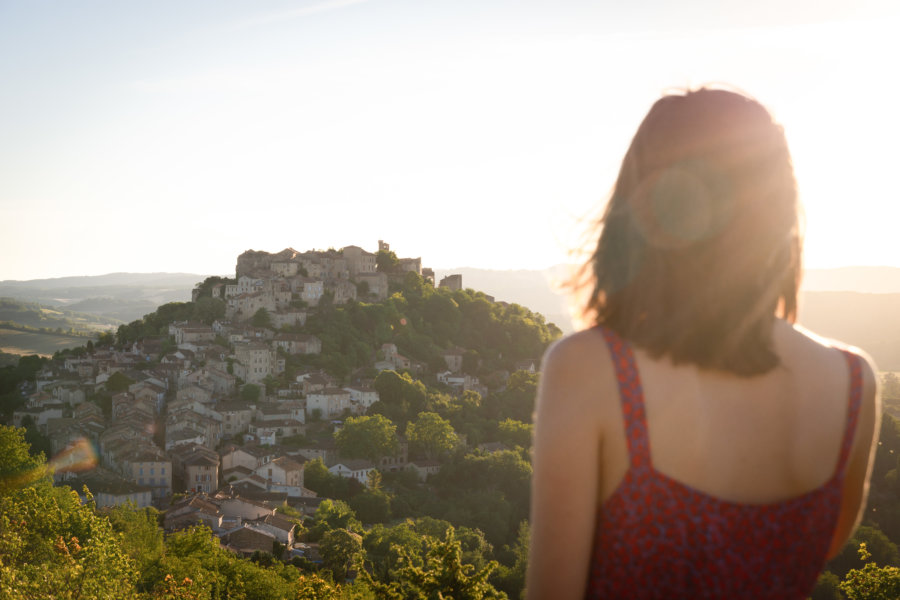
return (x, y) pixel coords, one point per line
(14, 341)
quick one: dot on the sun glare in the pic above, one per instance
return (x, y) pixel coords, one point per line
(842, 132)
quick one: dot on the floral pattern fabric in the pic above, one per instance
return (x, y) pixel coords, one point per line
(658, 538)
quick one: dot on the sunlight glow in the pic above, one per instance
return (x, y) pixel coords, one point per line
(464, 141)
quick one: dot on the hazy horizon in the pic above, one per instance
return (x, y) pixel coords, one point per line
(436, 269)
(855, 305)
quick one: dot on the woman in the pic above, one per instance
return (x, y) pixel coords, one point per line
(695, 443)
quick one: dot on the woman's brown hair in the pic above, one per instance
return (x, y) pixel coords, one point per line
(700, 242)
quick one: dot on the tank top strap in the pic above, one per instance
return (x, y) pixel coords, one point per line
(855, 400)
(631, 395)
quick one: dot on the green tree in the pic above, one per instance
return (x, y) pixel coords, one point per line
(118, 383)
(372, 506)
(890, 386)
(431, 435)
(467, 416)
(369, 437)
(271, 384)
(261, 318)
(206, 570)
(18, 467)
(51, 542)
(828, 587)
(40, 443)
(399, 396)
(871, 582)
(341, 550)
(878, 547)
(471, 362)
(250, 392)
(207, 310)
(333, 514)
(374, 480)
(489, 491)
(442, 317)
(517, 400)
(442, 574)
(385, 547)
(29, 366)
(511, 579)
(106, 339)
(204, 289)
(386, 261)
(142, 539)
(515, 433)
(312, 587)
(317, 478)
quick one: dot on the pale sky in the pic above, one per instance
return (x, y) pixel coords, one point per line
(172, 136)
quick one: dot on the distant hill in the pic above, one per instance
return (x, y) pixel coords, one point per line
(35, 316)
(858, 305)
(155, 280)
(120, 296)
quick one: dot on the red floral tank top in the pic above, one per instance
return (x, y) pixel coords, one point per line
(658, 538)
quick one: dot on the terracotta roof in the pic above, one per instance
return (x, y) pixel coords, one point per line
(237, 469)
(103, 481)
(202, 459)
(330, 391)
(277, 521)
(289, 464)
(258, 451)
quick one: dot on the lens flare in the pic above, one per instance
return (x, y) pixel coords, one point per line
(77, 457)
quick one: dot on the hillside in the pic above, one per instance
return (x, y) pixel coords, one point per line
(110, 280)
(118, 296)
(32, 315)
(24, 343)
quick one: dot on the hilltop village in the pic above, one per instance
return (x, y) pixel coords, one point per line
(226, 420)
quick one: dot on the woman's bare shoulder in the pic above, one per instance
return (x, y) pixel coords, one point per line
(577, 369)
(823, 364)
(582, 355)
(573, 348)
(826, 353)
(568, 436)
(830, 365)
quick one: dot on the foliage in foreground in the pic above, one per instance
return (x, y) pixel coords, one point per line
(871, 582)
(54, 546)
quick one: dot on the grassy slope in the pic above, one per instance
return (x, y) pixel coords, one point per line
(14, 341)
(33, 315)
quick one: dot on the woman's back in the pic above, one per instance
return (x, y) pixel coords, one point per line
(752, 440)
(717, 442)
(765, 534)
